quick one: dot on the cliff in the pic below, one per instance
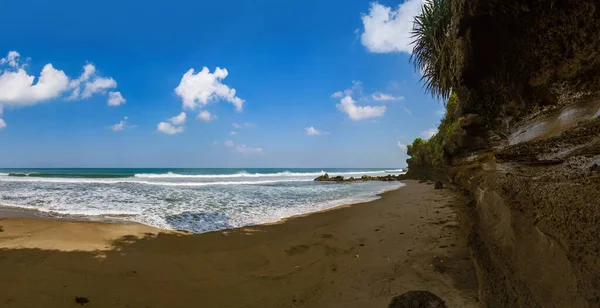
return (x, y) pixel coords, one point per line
(527, 148)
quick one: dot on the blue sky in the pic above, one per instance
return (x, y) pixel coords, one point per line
(300, 84)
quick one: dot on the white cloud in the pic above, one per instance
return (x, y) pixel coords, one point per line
(407, 110)
(348, 106)
(387, 30)
(385, 97)
(115, 99)
(12, 59)
(311, 131)
(244, 125)
(203, 87)
(337, 94)
(119, 126)
(90, 83)
(205, 116)
(233, 133)
(175, 126)
(88, 71)
(426, 134)
(170, 129)
(402, 146)
(179, 119)
(356, 88)
(242, 148)
(17, 87)
(98, 85)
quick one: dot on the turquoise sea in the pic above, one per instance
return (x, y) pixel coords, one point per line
(191, 199)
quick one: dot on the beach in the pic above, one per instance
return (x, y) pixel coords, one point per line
(359, 255)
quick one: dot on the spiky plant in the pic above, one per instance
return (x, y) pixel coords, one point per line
(431, 51)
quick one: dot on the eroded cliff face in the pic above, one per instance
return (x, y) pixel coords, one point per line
(531, 71)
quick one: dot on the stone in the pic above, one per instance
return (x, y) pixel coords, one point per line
(324, 177)
(417, 299)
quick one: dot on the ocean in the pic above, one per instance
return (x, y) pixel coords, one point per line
(195, 200)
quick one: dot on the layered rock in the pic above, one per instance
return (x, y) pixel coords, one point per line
(527, 150)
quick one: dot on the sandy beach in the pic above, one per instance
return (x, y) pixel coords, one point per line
(352, 256)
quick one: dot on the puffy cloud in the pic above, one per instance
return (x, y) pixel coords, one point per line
(311, 131)
(205, 116)
(179, 119)
(235, 125)
(119, 126)
(17, 87)
(407, 110)
(174, 126)
(233, 133)
(201, 88)
(98, 85)
(170, 129)
(88, 71)
(90, 83)
(12, 59)
(229, 143)
(385, 97)
(354, 112)
(115, 99)
(388, 30)
(402, 146)
(242, 148)
(426, 134)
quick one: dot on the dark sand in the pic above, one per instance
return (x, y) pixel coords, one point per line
(353, 256)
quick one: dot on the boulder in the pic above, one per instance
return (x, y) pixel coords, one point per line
(324, 177)
(338, 178)
(417, 299)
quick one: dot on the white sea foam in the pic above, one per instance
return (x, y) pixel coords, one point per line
(113, 182)
(249, 175)
(196, 203)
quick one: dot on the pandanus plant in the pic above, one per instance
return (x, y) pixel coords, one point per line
(431, 47)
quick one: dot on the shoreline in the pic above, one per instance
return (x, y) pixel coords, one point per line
(358, 255)
(12, 211)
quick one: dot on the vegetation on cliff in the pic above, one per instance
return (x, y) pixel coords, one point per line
(431, 154)
(432, 56)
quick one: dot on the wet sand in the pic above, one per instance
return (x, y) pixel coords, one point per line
(353, 256)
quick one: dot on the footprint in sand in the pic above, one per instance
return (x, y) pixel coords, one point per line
(296, 250)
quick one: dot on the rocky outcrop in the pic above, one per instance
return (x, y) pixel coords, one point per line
(417, 299)
(527, 75)
(386, 178)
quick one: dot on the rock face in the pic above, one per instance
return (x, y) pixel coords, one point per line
(528, 81)
(417, 299)
(386, 178)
